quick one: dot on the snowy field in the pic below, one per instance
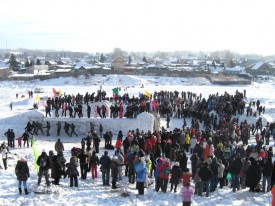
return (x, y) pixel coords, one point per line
(91, 192)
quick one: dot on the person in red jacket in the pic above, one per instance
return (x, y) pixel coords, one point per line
(186, 177)
(273, 195)
(163, 177)
(118, 143)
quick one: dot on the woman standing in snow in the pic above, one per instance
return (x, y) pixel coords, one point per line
(176, 175)
(94, 161)
(22, 173)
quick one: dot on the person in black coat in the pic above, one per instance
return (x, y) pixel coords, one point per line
(72, 171)
(267, 173)
(22, 173)
(194, 163)
(198, 149)
(44, 164)
(182, 159)
(236, 167)
(88, 110)
(253, 175)
(176, 175)
(105, 162)
(25, 138)
(83, 164)
(96, 142)
(205, 174)
(56, 170)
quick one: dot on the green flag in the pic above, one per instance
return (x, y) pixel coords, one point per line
(115, 90)
(35, 154)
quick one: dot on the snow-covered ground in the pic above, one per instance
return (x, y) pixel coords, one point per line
(91, 192)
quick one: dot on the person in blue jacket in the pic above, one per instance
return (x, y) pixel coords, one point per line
(141, 172)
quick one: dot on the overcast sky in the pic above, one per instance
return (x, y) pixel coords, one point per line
(244, 26)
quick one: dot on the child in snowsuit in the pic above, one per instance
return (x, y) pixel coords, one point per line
(187, 192)
(19, 141)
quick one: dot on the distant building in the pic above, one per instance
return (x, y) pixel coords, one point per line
(234, 70)
(4, 70)
(118, 64)
(260, 68)
(36, 69)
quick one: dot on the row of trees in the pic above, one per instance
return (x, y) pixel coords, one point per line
(13, 63)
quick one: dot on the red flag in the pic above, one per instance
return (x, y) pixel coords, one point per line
(54, 91)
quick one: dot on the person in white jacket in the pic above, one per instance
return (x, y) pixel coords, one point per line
(5, 157)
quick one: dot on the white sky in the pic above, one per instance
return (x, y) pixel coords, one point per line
(245, 26)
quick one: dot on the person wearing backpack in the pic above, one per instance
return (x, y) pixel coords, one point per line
(22, 173)
(44, 164)
(164, 173)
(72, 171)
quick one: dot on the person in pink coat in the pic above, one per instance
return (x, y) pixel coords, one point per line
(187, 193)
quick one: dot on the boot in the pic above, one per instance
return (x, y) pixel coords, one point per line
(114, 185)
(26, 191)
(20, 191)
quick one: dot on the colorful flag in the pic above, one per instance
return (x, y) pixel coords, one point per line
(54, 91)
(115, 91)
(59, 92)
(147, 94)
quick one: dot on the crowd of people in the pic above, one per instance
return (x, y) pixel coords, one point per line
(220, 153)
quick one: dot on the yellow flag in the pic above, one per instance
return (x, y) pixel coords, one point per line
(38, 98)
(147, 94)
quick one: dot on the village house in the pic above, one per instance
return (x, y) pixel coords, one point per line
(37, 69)
(4, 70)
(260, 68)
(118, 64)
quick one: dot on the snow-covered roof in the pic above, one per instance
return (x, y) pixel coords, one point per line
(3, 65)
(237, 69)
(63, 70)
(65, 66)
(216, 69)
(52, 63)
(40, 67)
(257, 65)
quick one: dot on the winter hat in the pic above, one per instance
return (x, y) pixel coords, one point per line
(147, 158)
(160, 160)
(165, 159)
(177, 164)
(115, 158)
